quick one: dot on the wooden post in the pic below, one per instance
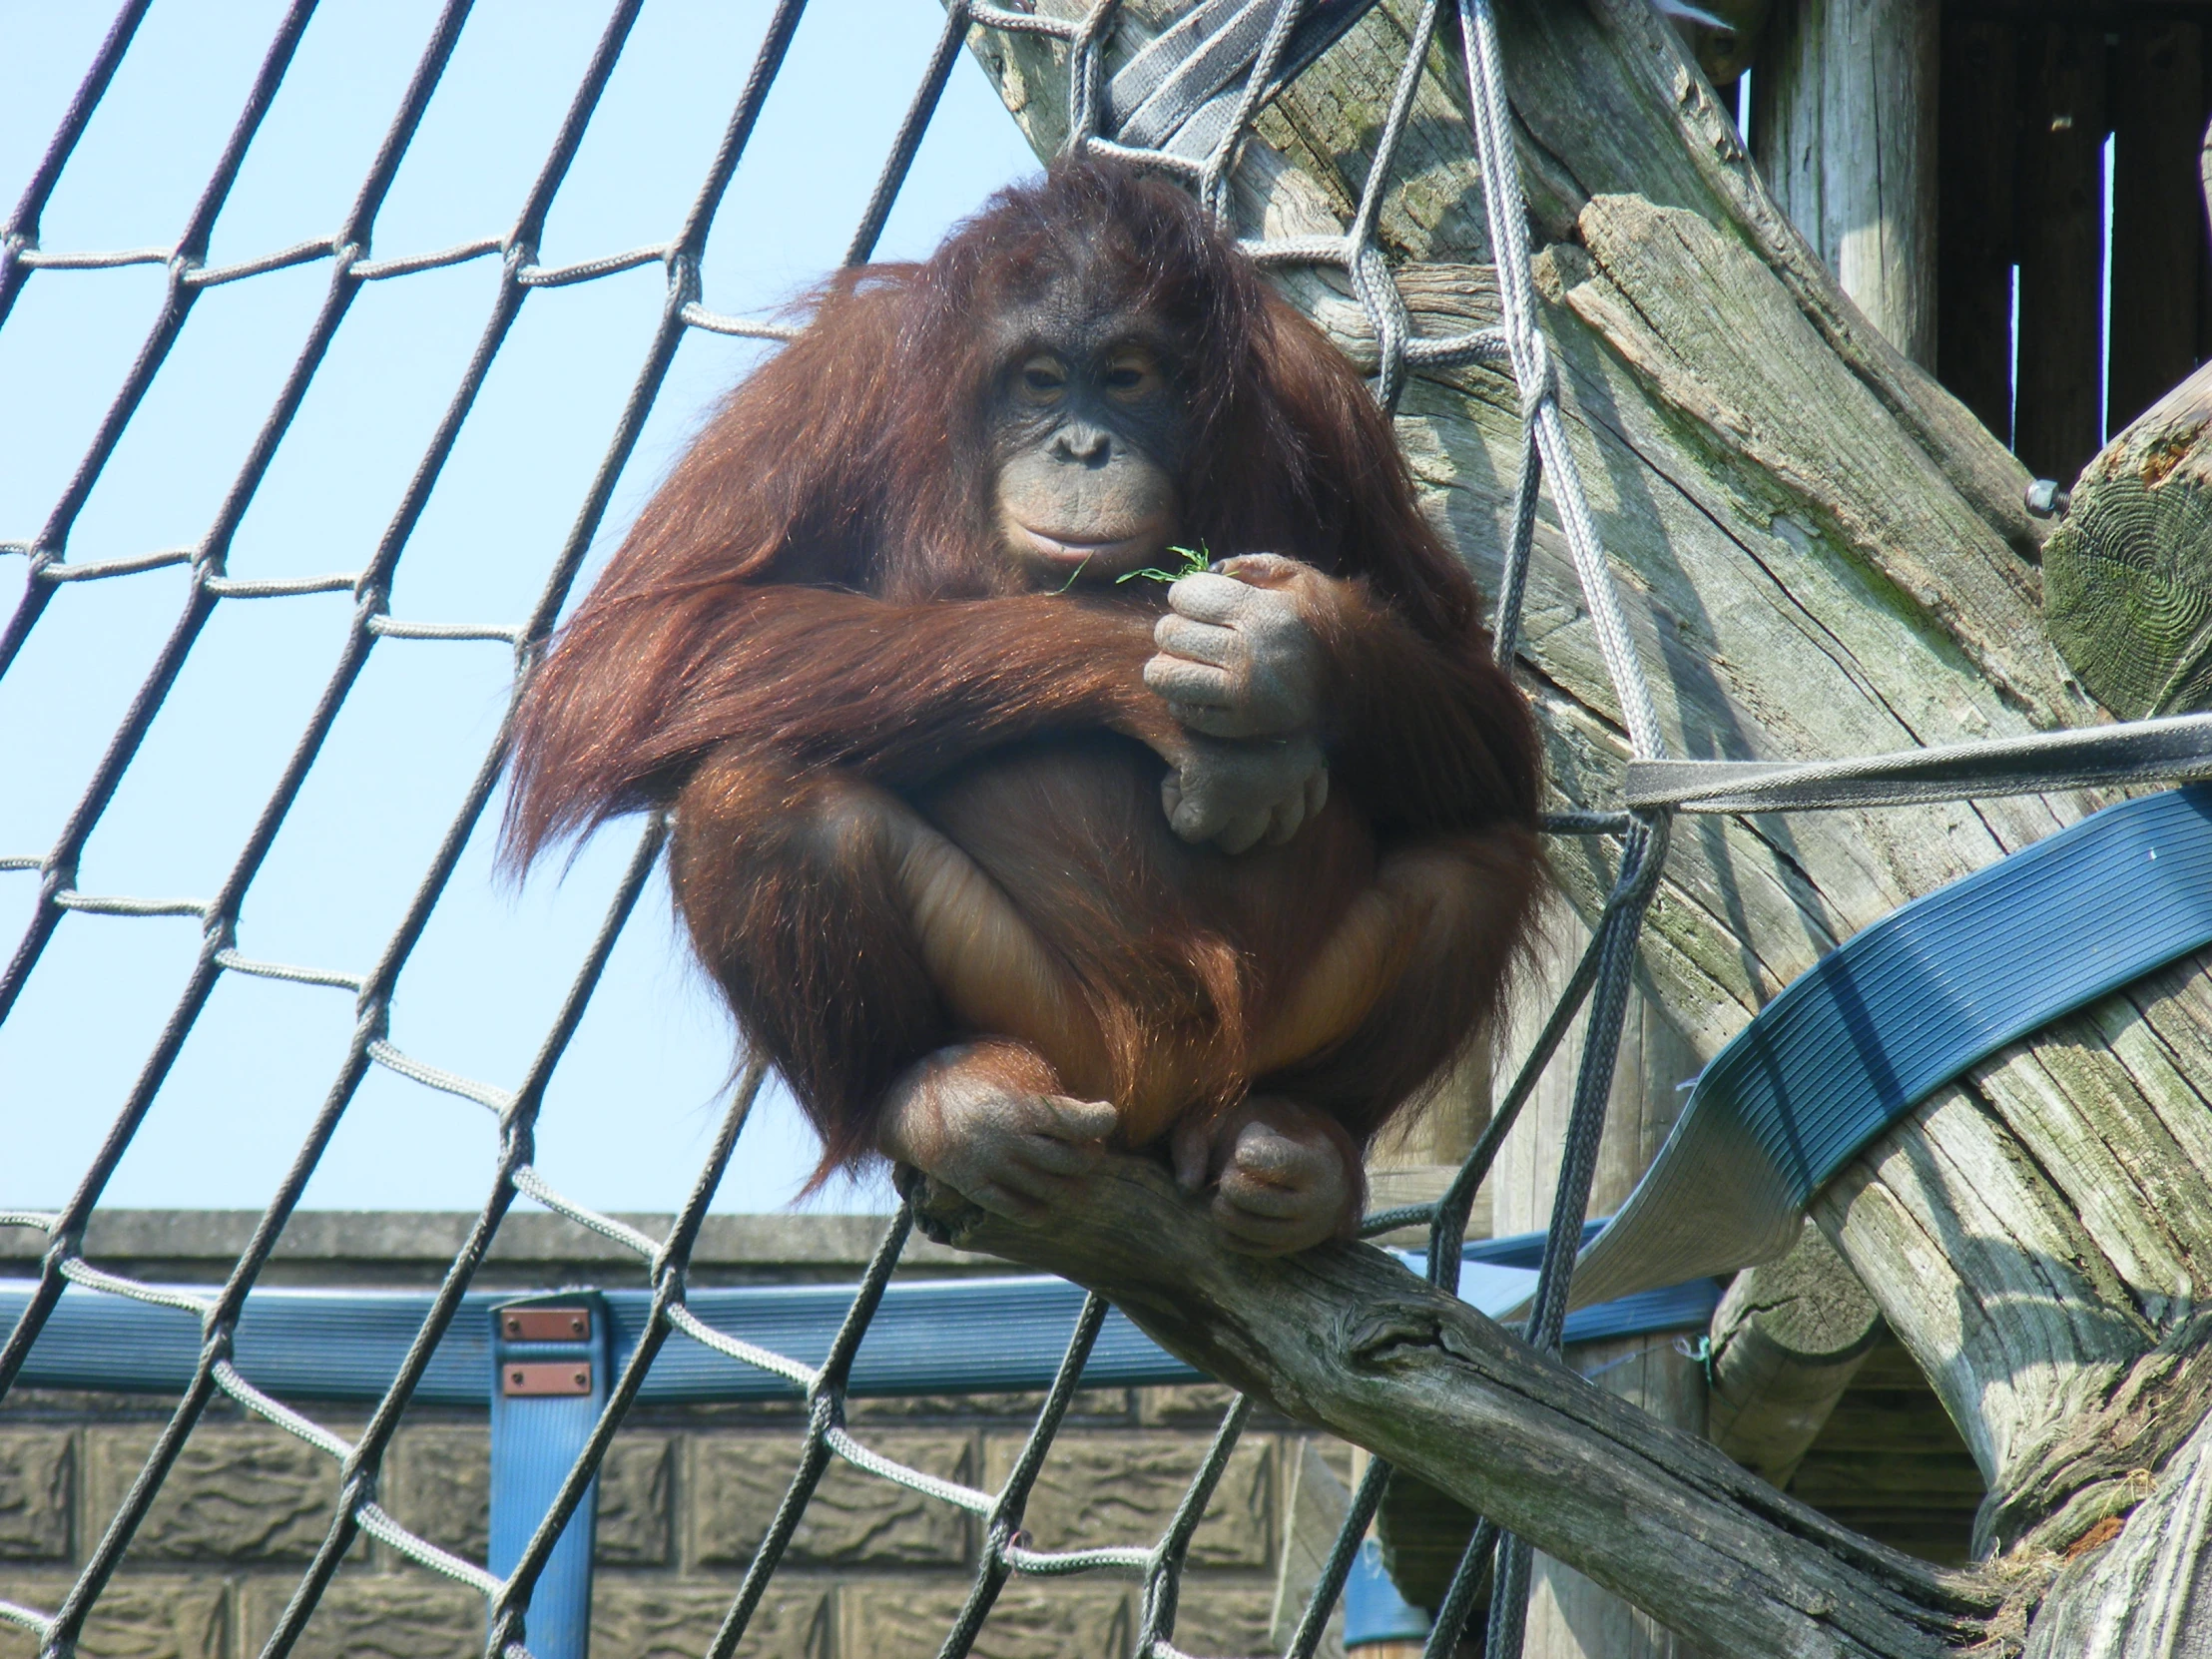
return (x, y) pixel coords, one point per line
(2127, 579)
(1842, 128)
(1788, 1339)
(2062, 248)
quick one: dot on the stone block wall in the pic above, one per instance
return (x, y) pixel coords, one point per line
(875, 1572)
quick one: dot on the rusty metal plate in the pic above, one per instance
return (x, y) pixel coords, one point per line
(546, 1324)
(550, 1377)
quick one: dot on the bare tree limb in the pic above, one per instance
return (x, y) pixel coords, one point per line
(1348, 1340)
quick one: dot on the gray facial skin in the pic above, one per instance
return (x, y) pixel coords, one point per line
(1088, 414)
(1085, 419)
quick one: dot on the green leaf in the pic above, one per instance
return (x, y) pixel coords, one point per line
(1195, 559)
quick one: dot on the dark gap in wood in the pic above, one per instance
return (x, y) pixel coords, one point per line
(2158, 224)
(2012, 191)
(1974, 242)
(2109, 14)
(2060, 213)
(1891, 1463)
(2204, 245)
(1730, 96)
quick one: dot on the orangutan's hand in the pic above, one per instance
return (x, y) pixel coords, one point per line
(1239, 656)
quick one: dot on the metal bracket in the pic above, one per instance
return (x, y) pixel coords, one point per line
(548, 1386)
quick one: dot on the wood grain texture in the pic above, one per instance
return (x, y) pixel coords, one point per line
(1843, 130)
(2128, 576)
(1820, 552)
(2133, 1595)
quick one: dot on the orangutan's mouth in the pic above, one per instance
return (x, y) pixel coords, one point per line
(1108, 554)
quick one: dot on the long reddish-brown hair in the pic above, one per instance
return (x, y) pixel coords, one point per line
(855, 458)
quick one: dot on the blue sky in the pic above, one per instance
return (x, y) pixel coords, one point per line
(634, 1103)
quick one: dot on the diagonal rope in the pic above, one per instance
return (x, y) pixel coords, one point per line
(1185, 104)
(1275, 42)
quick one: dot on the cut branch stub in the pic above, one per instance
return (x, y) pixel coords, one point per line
(2127, 579)
(1787, 1339)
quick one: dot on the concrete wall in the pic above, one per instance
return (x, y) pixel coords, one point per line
(875, 1572)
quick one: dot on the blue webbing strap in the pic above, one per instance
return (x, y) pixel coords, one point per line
(1374, 1611)
(549, 1379)
(1889, 1017)
(349, 1344)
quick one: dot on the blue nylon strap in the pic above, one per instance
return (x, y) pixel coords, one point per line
(537, 1430)
(1886, 1019)
(1498, 1275)
(944, 1335)
(1373, 1611)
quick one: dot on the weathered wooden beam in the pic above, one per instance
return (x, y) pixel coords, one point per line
(1345, 1339)
(1609, 105)
(1844, 127)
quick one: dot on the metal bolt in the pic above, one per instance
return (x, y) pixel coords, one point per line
(2047, 499)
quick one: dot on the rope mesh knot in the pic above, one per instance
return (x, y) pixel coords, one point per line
(1203, 92)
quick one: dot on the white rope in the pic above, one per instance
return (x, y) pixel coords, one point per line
(527, 1179)
(736, 1348)
(227, 1378)
(914, 1480)
(1533, 371)
(378, 1524)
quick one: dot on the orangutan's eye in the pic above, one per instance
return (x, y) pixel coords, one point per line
(1042, 380)
(1131, 376)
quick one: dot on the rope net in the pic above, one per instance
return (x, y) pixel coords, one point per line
(1192, 95)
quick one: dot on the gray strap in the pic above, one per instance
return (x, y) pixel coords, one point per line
(1157, 91)
(2172, 750)
(1181, 93)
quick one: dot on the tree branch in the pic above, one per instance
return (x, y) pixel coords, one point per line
(1345, 1339)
